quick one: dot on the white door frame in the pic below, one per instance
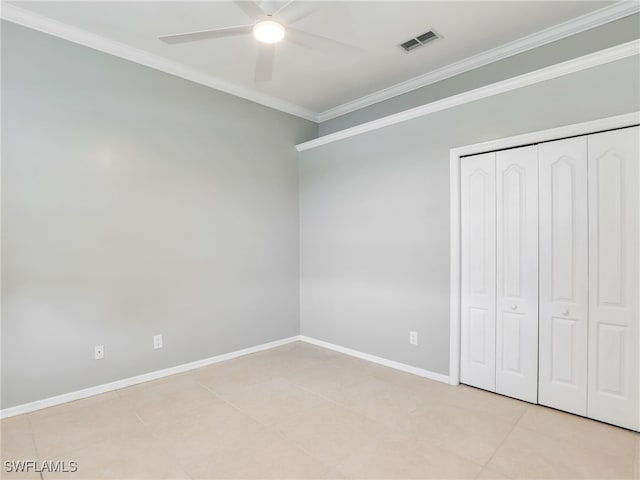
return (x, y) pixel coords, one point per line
(455, 154)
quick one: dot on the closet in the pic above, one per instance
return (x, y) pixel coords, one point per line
(550, 274)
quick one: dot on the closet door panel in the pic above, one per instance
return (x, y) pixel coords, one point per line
(478, 257)
(614, 286)
(563, 275)
(517, 273)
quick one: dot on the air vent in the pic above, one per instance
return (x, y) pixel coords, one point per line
(419, 41)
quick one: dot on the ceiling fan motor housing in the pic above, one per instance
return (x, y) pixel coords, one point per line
(268, 31)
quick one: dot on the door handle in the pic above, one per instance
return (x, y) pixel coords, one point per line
(565, 312)
(514, 306)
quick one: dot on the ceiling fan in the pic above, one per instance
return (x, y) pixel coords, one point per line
(269, 28)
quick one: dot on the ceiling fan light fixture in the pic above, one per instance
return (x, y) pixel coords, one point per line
(268, 31)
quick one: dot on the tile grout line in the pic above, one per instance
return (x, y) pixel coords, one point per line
(33, 440)
(222, 399)
(272, 430)
(128, 407)
(515, 424)
(385, 428)
(153, 434)
(556, 438)
(298, 416)
(35, 447)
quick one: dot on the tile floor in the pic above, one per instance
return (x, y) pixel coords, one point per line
(300, 411)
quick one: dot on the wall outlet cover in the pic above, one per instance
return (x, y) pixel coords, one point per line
(98, 352)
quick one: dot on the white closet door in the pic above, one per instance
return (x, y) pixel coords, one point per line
(614, 243)
(563, 275)
(478, 260)
(517, 273)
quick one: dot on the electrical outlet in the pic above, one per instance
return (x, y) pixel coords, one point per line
(413, 338)
(157, 341)
(98, 352)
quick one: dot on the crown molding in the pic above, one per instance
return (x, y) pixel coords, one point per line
(43, 24)
(23, 17)
(557, 32)
(578, 64)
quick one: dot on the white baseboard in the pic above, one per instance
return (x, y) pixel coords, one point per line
(127, 382)
(146, 377)
(439, 377)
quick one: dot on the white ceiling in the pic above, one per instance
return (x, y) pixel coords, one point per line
(317, 80)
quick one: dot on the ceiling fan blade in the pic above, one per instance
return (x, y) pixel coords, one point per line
(270, 6)
(281, 9)
(206, 34)
(251, 9)
(264, 61)
(317, 42)
(297, 12)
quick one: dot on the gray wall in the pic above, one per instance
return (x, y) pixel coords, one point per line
(605, 36)
(374, 212)
(136, 203)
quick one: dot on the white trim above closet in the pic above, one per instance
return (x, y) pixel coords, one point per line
(544, 243)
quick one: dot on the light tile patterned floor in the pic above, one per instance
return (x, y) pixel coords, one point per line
(300, 411)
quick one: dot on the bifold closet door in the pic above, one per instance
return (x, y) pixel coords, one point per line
(563, 275)
(478, 273)
(614, 284)
(517, 273)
